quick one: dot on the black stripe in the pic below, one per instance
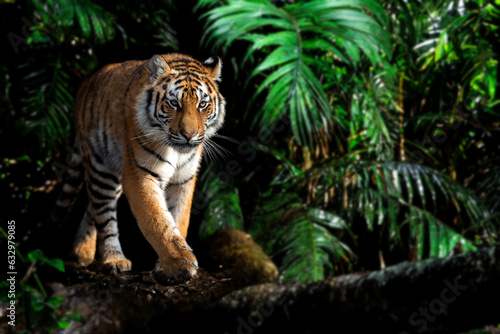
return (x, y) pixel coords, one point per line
(97, 195)
(188, 71)
(155, 112)
(164, 119)
(106, 210)
(182, 182)
(109, 236)
(196, 81)
(158, 103)
(104, 224)
(100, 184)
(188, 160)
(158, 100)
(165, 81)
(208, 84)
(162, 108)
(153, 174)
(99, 205)
(150, 151)
(155, 125)
(183, 60)
(178, 81)
(150, 98)
(213, 115)
(104, 175)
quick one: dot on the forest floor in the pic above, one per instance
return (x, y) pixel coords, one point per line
(457, 294)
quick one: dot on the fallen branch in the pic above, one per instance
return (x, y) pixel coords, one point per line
(443, 295)
(447, 295)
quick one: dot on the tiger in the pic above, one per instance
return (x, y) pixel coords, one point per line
(141, 127)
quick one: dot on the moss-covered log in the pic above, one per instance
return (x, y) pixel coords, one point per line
(447, 295)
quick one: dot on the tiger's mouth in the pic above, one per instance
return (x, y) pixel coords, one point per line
(182, 144)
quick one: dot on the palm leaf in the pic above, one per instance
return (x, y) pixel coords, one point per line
(294, 87)
(381, 191)
(220, 202)
(308, 246)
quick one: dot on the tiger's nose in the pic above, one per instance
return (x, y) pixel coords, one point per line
(189, 135)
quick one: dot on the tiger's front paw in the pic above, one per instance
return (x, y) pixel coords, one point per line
(116, 266)
(178, 267)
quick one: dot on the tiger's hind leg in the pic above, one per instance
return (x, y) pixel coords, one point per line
(104, 189)
(84, 247)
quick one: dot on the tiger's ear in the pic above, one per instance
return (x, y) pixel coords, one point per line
(158, 66)
(214, 67)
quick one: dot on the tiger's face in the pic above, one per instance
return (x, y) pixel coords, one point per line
(183, 104)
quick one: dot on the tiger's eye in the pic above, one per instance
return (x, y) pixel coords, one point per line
(174, 104)
(202, 104)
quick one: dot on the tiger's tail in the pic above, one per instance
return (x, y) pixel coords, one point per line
(72, 177)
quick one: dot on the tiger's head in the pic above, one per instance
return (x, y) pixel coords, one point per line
(182, 106)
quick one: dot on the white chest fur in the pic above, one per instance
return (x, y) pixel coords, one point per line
(180, 166)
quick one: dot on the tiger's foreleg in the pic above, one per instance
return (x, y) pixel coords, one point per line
(179, 201)
(147, 200)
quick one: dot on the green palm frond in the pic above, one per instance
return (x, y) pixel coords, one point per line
(60, 18)
(489, 187)
(48, 101)
(388, 197)
(92, 18)
(373, 125)
(219, 200)
(303, 240)
(309, 247)
(392, 194)
(48, 75)
(297, 37)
